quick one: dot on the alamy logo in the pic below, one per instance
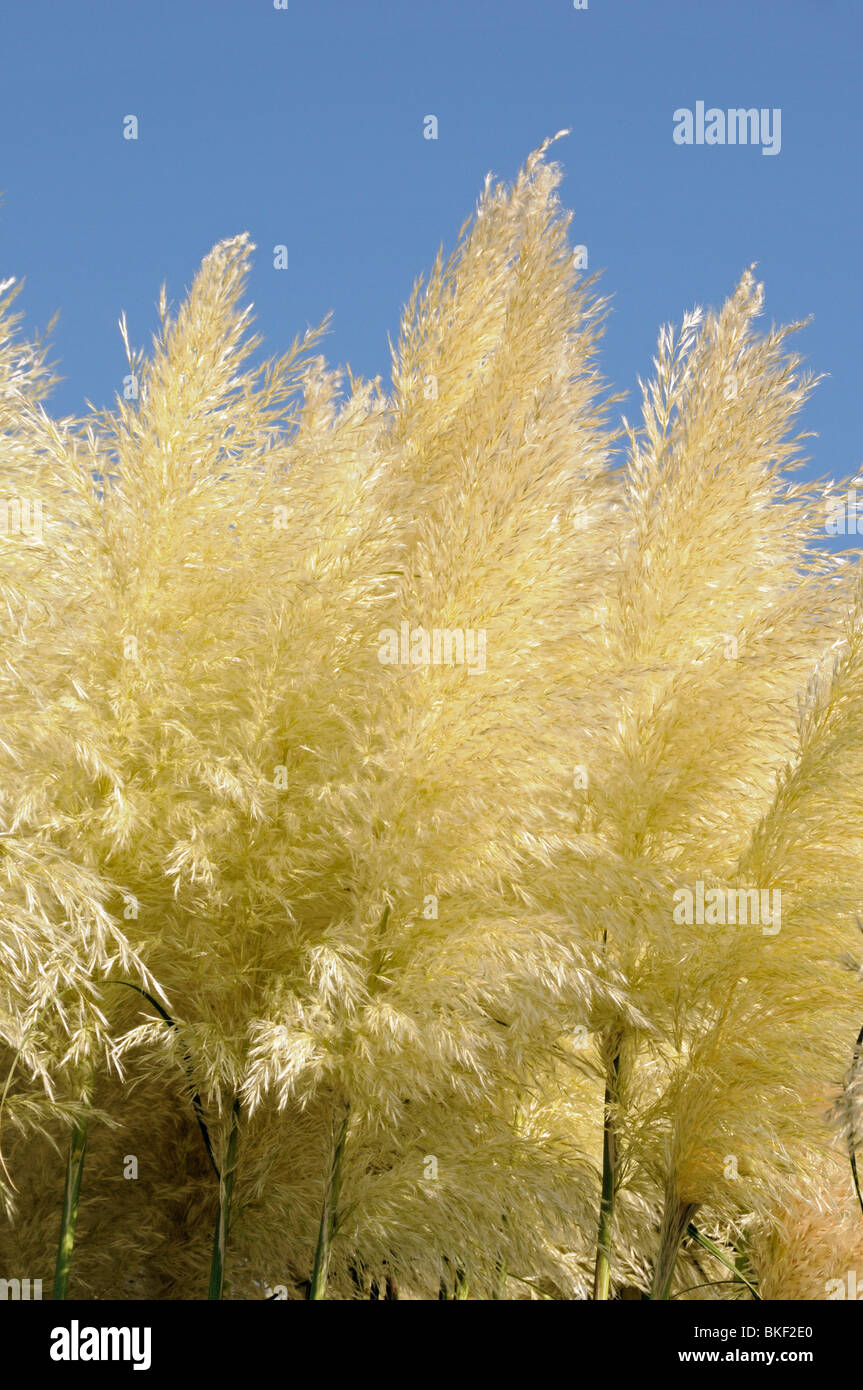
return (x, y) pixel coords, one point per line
(440, 647)
(844, 1288)
(720, 907)
(20, 517)
(76, 1343)
(20, 1289)
(844, 518)
(737, 126)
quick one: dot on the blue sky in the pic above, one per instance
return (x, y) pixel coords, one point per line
(305, 127)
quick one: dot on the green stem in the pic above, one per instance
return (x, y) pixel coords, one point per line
(329, 1214)
(223, 1216)
(675, 1220)
(71, 1196)
(602, 1272)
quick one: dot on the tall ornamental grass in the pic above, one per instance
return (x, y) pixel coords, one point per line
(430, 825)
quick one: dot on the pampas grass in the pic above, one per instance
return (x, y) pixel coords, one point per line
(395, 925)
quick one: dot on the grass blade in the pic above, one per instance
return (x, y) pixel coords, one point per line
(714, 1250)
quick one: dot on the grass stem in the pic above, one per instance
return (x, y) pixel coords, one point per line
(675, 1220)
(223, 1216)
(602, 1271)
(71, 1198)
(329, 1214)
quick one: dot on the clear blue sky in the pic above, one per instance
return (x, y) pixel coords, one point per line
(305, 127)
